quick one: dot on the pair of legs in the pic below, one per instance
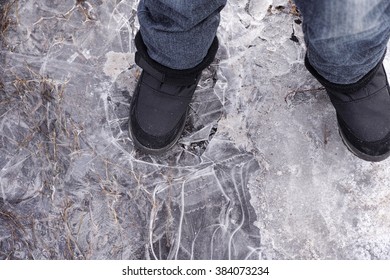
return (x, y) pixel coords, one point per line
(346, 43)
(345, 39)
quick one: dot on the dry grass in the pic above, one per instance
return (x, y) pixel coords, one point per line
(16, 227)
(288, 8)
(5, 20)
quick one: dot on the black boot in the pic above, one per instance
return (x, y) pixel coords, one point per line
(160, 103)
(363, 112)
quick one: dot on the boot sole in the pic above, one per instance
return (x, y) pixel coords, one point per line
(360, 154)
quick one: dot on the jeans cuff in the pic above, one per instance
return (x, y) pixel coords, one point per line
(347, 88)
(169, 75)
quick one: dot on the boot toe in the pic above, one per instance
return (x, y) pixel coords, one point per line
(367, 150)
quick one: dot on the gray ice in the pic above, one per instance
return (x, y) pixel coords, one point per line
(260, 172)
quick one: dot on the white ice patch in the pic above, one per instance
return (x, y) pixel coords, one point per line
(116, 63)
(72, 58)
(386, 61)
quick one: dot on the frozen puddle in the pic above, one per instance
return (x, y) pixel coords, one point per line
(260, 171)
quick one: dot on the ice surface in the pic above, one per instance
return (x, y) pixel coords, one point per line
(260, 171)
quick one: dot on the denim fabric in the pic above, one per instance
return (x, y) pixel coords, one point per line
(345, 39)
(178, 33)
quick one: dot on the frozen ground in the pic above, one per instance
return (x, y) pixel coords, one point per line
(260, 172)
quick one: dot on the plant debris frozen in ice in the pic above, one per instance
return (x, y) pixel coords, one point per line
(259, 172)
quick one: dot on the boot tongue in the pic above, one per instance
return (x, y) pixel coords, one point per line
(366, 111)
(160, 107)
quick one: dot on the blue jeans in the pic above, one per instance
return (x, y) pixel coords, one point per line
(344, 39)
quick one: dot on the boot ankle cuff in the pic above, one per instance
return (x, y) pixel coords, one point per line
(347, 88)
(169, 75)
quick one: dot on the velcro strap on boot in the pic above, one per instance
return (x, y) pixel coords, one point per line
(350, 88)
(167, 75)
(180, 80)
